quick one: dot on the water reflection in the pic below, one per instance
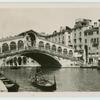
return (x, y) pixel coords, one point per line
(68, 79)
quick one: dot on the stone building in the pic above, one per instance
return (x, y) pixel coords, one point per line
(62, 37)
(91, 37)
(78, 37)
(86, 40)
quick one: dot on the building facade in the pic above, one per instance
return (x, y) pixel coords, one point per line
(91, 37)
(86, 40)
(62, 37)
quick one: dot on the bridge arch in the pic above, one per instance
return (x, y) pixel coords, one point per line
(12, 45)
(20, 44)
(44, 59)
(5, 47)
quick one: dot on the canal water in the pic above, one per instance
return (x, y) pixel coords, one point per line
(68, 79)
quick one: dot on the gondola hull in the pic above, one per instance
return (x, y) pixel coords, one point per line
(45, 88)
(13, 88)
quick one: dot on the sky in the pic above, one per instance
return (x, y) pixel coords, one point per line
(15, 19)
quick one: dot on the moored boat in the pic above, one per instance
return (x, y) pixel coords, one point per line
(43, 84)
(10, 85)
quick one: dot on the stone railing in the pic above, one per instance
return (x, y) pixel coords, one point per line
(50, 52)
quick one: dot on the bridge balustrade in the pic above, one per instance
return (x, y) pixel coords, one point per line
(55, 53)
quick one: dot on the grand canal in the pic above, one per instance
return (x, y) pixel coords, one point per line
(68, 79)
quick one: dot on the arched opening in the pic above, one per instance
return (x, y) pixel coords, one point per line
(54, 48)
(70, 52)
(19, 60)
(47, 46)
(12, 46)
(24, 60)
(20, 45)
(15, 61)
(5, 48)
(65, 51)
(59, 50)
(11, 62)
(41, 45)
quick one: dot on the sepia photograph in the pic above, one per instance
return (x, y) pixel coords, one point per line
(49, 47)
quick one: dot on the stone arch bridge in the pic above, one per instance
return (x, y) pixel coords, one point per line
(32, 44)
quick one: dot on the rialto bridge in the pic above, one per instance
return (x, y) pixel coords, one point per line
(32, 44)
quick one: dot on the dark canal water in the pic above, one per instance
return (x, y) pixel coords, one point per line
(68, 79)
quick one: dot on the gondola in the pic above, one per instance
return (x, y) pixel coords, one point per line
(42, 83)
(10, 85)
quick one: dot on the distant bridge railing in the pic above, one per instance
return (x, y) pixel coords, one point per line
(37, 49)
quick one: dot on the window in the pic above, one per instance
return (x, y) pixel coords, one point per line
(85, 40)
(91, 40)
(97, 32)
(75, 34)
(75, 40)
(80, 39)
(85, 34)
(80, 46)
(80, 33)
(75, 47)
(94, 39)
(97, 40)
(68, 37)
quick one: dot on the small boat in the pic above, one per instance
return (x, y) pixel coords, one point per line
(43, 84)
(10, 85)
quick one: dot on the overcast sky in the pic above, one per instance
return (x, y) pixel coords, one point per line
(14, 20)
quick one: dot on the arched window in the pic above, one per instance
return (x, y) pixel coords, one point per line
(20, 44)
(5, 48)
(59, 50)
(41, 45)
(12, 46)
(65, 51)
(47, 46)
(70, 52)
(53, 48)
